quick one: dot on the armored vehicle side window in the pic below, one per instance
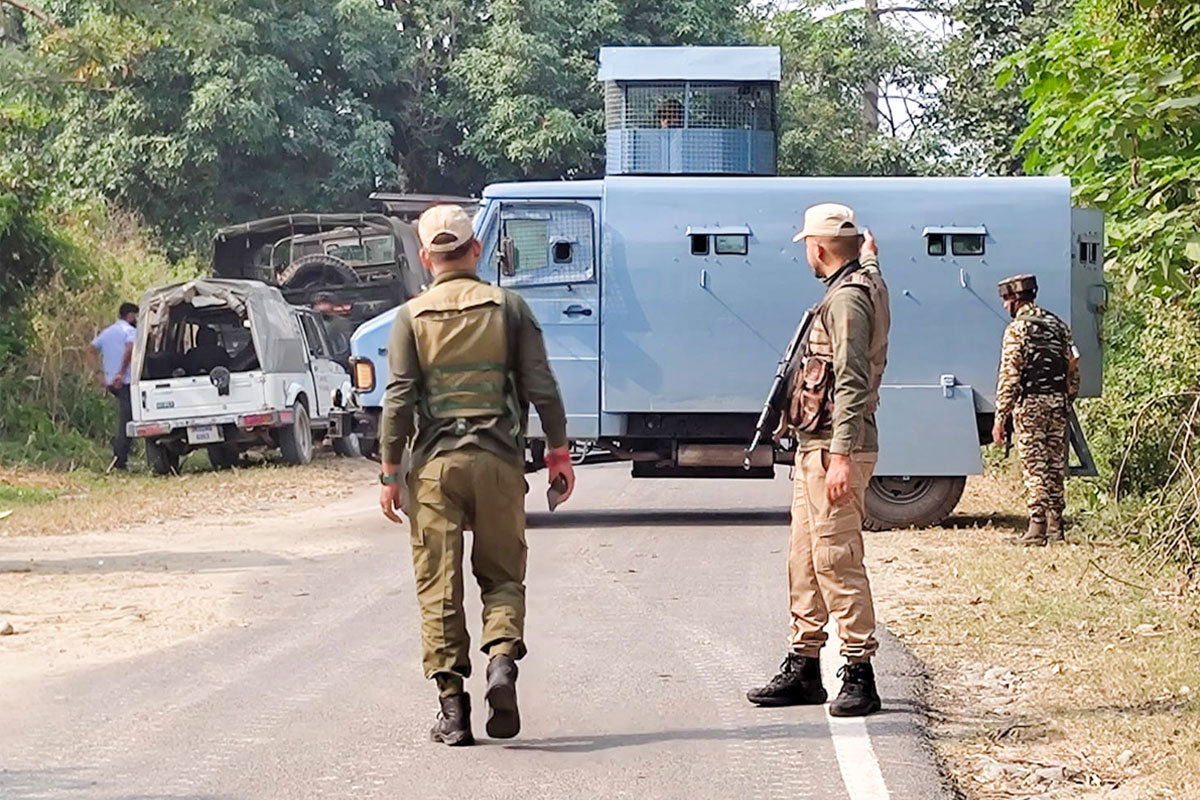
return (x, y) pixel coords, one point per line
(699, 244)
(549, 244)
(732, 244)
(966, 244)
(936, 244)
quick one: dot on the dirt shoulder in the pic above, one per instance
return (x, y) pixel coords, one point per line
(152, 562)
(1057, 672)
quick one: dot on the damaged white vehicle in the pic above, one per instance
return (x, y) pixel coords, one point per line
(228, 366)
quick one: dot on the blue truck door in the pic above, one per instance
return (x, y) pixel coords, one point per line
(556, 270)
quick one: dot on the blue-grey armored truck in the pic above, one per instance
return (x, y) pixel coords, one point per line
(668, 289)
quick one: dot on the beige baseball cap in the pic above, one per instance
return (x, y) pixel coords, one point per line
(828, 219)
(444, 228)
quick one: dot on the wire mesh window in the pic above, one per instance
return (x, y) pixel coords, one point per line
(721, 106)
(552, 244)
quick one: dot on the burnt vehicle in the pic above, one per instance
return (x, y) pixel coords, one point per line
(368, 263)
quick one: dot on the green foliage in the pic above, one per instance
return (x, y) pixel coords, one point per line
(980, 116)
(1121, 116)
(828, 62)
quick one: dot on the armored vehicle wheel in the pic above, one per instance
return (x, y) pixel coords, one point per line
(296, 440)
(347, 446)
(223, 456)
(317, 270)
(161, 459)
(911, 502)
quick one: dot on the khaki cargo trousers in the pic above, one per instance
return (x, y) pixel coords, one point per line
(474, 489)
(825, 560)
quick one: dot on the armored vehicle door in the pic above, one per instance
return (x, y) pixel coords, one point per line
(547, 253)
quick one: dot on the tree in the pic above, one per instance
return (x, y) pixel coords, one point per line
(531, 104)
(854, 91)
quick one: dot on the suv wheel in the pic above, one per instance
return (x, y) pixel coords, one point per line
(296, 440)
(223, 456)
(161, 458)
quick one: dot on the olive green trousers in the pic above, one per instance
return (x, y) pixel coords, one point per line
(450, 493)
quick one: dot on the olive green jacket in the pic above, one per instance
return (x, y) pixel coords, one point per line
(534, 383)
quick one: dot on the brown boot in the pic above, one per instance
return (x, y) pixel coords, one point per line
(1035, 536)
(1054, 528)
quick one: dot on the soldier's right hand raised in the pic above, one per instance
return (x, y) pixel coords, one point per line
(869, 246)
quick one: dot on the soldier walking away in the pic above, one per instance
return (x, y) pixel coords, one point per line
(114, 347)
(831, 415)
(466, 360)
(1039, 380)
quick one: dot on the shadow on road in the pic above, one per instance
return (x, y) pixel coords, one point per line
(613, 741)
(660, 519)
(152, 561)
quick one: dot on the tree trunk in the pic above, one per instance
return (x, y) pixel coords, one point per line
(871, 87)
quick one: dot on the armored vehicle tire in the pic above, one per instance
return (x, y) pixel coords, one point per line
(223, 456)
(317, 269)
(296, 440)
(161, 459)
(347, 446)
(911, 502)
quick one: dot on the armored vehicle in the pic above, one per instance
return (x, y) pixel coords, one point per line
(668, 289)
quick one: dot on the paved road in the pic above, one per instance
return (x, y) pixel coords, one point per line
(652, 607)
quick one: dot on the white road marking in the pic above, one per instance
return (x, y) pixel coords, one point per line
(851, 741)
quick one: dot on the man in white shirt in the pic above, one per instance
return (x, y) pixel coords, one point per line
(114, 345)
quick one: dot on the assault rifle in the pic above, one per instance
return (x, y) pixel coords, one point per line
(776, 397)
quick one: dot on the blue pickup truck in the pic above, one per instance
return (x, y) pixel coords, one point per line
(668, 289)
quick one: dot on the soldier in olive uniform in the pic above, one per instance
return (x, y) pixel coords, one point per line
(837, 450)
(1039, 379)
(467, 359)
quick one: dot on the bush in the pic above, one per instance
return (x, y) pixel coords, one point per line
(52, 409)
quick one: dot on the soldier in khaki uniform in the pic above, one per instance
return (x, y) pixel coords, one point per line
(467, 359)
(832, 418)
(1039, 379)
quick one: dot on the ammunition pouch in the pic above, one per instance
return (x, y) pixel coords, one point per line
(810, 407)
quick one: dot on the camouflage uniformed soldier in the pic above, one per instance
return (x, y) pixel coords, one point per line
(1039, 379)
(467, 359)
(832, 418)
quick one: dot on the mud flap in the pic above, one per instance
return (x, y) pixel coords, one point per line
(1086, 466)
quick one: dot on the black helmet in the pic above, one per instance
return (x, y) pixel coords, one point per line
(1017, 286)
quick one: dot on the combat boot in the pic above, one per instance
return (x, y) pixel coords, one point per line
(797, 684)
(504, 718)
(453, 726)
(1035, 535)
(858, 696)
(1054, 528)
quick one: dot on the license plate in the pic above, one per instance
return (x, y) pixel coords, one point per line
(205, 434)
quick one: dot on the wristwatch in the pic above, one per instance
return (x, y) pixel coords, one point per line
(390, 478)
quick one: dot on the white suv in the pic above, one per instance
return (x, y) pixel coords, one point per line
(229, 365)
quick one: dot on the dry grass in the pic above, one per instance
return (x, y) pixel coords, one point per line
(1055, 656)
(62, 503)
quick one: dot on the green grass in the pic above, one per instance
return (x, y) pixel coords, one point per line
(24, 496)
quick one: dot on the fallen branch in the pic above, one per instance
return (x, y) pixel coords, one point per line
(1098, 568)
(33, 11)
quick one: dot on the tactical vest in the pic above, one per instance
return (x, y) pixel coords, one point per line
(869, 279)
(465, 355)
(1044, 370)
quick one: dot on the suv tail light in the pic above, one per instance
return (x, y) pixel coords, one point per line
(364, 374)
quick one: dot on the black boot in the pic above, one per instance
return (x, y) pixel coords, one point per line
(504, 719)
(858, 696)
(797, 684)
(453, 726)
